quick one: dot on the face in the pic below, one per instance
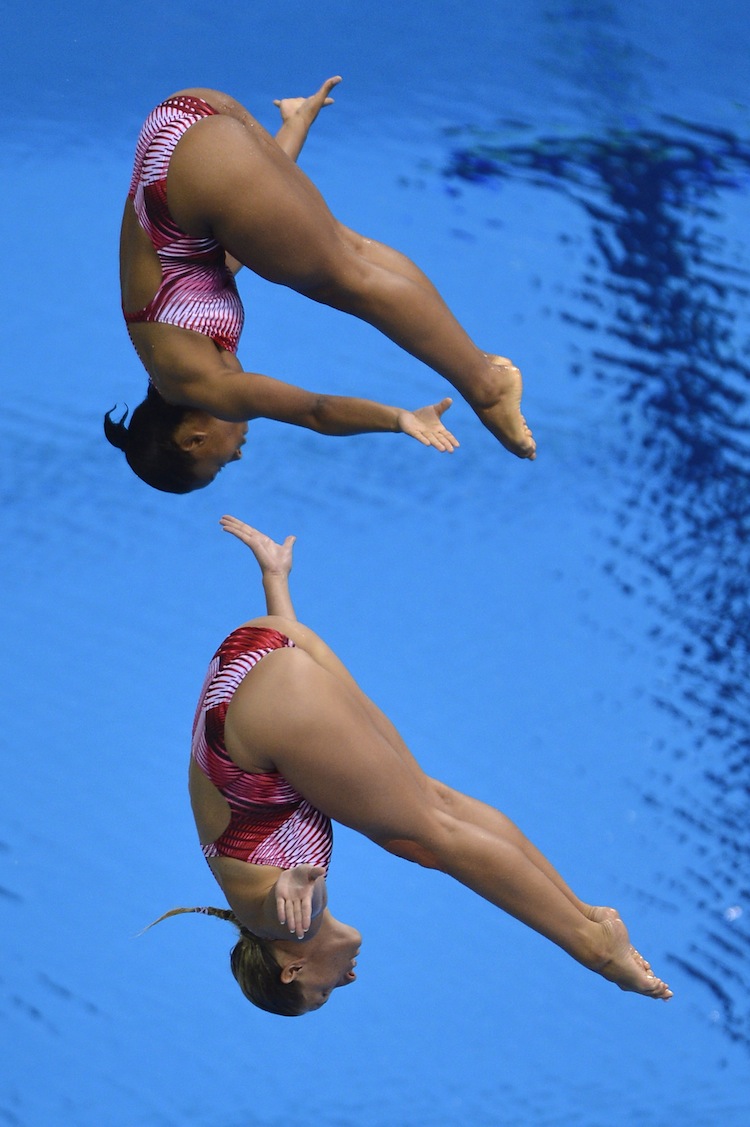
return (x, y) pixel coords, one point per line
(211, 442)
(330, 966)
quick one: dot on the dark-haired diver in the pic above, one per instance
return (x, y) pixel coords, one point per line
(211, 191)
(284, 741)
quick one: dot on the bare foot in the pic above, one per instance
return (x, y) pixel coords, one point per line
(622, 964)
(500, 409)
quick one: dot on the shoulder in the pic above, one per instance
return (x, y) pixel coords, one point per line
(185, 366)
(246, 888)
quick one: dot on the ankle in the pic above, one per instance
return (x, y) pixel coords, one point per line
(593, 945)
(487, 387)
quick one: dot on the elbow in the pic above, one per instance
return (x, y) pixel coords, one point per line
(319, 416)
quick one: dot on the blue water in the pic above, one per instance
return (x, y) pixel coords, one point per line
(566, 639)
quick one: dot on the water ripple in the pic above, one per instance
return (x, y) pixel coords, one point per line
(659, 310)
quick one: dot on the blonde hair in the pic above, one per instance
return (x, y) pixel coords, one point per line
(257, 972)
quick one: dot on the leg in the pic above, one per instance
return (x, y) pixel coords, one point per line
(231, 179)
(381, 255)
(313, 728)
(471, 810)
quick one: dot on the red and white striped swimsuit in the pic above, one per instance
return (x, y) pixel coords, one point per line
(271, 823)
(197, 290)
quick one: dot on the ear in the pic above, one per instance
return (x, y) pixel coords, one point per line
(290, 972)
(192, 440)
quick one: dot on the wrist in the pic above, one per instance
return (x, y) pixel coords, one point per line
(273, 578)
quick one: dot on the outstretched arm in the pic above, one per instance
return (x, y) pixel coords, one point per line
(239, 396)
(274, 560)
(298, 114)
(190, 371)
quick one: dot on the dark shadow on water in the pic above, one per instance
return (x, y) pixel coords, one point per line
(660, 313)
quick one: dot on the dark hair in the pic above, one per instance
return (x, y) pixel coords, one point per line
(149, 446)
(254, 967)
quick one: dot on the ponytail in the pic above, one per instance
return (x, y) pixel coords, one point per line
(253, 965)
(220, 913)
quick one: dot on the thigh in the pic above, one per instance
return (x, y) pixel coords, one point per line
(231, 180)
(295, 715)
(324, 656)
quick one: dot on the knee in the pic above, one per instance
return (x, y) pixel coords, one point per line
(443, 796)
(415, 851)
(343, 284)
(427, 846)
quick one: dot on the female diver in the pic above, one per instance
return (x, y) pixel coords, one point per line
(284, 741)
(211, 191)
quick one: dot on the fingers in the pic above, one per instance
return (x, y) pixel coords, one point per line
(449, 440)
(425, 425)
(329, 84)
(270, 555)
(322, 95)
(289, 917)
(442, 438)
(443, 441)
(238, 528)
(244, 532)
(295, 914)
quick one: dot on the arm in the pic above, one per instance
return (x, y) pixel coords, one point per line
(275, 561)
(298, 114)
(239, 396)
(292, 905)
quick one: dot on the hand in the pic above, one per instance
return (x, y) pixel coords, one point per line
(311, 106)
(427, 427)
(273, 558)
(294, 897)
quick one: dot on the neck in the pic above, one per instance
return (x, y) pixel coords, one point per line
(320, 930)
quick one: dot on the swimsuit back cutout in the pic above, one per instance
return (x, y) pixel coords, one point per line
(197, 290)
(271, 823)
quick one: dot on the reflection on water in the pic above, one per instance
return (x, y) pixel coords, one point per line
(659, 310)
